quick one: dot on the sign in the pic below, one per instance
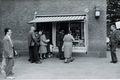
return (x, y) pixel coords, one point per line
(118, 24)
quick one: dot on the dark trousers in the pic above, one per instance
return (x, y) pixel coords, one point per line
(33, 53)
(113, 52)
(48, 50)
(61, 54)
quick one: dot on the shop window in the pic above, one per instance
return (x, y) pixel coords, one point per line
(77, 30)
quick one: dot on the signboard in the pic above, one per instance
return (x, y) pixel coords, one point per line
(118, 24)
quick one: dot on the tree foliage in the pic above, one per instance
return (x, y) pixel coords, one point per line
(113, 11)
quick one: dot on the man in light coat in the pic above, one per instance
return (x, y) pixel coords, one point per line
(8, 55)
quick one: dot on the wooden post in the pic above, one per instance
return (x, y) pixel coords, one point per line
(54, 34)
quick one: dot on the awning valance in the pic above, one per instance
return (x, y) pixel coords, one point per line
(57, 18)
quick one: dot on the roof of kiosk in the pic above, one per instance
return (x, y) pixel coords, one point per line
(57, 18)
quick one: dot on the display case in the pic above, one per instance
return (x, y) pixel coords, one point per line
(77, 30)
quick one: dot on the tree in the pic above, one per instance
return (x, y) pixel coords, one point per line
(113, 11)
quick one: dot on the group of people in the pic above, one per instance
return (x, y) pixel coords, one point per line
(65, 39)
(38, 48)
(37, 43)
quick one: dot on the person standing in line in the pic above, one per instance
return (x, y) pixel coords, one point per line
(60, 44)
(37, 35)
(33, 46)
(48, 44)
(114, 39)
(8, 55)
(40, 33)
(29, 43)
(43, 45)
(68, 39)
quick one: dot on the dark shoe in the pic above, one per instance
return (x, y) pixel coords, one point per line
(71, 59)
(62, 58)
(113, 61)
(11, 74)
(29, 59)
(38, 62)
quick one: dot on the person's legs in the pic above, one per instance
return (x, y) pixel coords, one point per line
(3, 66)
(66, 53)
(44, 52)
(62, 55)
(47, 54)
(48, 50)
(30, 53)
(59, 53)
(9, 66)
(44, 55)
(40, 55)
(113, 54)
(71, 56)
(69, 59)
(12, 64)
(36, 55)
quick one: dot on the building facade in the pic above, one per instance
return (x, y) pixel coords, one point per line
(90, 30)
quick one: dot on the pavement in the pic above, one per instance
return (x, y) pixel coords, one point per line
(80, 68)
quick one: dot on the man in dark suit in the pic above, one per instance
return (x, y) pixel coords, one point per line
(60, 44)
(33, 46)
(8, 55)
(114, 39)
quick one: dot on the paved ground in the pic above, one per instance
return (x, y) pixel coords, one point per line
(81, 68)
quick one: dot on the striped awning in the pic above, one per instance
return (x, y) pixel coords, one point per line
(57, 18)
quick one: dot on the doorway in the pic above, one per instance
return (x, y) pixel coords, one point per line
(62, 26)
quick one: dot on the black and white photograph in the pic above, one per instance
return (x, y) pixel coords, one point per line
(59, 39)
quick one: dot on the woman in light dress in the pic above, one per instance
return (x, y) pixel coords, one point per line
(43, 45)
(68, 39)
